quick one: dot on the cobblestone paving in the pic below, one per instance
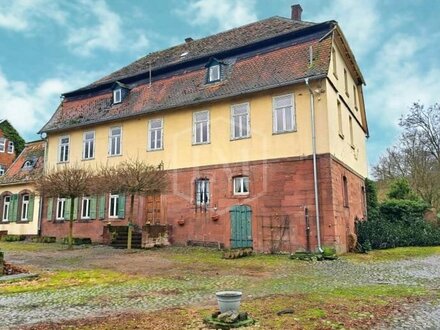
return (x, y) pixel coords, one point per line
(155, 293)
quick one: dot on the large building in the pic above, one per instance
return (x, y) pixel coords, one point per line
(262, 130)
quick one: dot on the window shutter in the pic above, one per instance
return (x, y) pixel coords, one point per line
(67, 204)
(121, 206)
(13, 208)
(93, 207)
(75, 208)
(31, 207)
(101, 205)
(49, 208)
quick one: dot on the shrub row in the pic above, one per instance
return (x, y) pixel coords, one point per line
(397, 223)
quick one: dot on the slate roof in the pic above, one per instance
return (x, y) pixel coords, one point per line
(280, 58)
(16, 173)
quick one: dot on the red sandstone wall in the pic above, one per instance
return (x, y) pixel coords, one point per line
(280, 190)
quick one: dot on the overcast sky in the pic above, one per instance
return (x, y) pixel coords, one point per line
(49, 47)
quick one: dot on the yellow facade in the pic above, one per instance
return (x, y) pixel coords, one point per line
(24, 228)
(179, 151)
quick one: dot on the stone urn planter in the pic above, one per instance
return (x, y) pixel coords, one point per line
(229, 300)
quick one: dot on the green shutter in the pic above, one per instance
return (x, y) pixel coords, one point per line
(121, 206)
(31, 207)
(13, 206)
(75, 208)
(49, 208)
(67, 204)
(93, 207)
(101, 211)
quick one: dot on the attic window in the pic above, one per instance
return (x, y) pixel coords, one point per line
(214, 73)
(117, 95)
(28, 164)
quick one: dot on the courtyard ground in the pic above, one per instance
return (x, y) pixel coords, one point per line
(97, 287)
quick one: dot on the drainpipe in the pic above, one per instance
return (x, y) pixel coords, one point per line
(315, 174)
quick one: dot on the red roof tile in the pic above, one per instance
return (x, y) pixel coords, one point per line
(17, 173)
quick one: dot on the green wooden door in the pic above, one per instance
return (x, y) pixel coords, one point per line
(241, 226)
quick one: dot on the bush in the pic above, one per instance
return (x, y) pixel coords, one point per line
(13, 238)
(77, 240)
(395, 210)
(44, 239)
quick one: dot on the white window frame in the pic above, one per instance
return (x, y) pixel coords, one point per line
(85, 206)
(112, 152)
(63, 149)
(2, 170)
(239, 185)
(243, 121)
(214, 73)
(10, 147)
(117, 95)
(2, 144)
(88, 144)
(6, 205)
(113, 211)
(155, 135)
(202, 187)
(25, 207)
(198, 126)
(281, 110)
(61, 209)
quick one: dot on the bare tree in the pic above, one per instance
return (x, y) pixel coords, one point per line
(70, 182)
(134, 178)
(417, 156)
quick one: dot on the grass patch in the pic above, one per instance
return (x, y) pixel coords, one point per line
(64, 279)
(401, 253)
(29, 246)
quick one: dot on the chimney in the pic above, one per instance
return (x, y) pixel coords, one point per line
(189, 39)
(296, 12)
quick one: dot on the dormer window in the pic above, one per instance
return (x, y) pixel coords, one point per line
(120, 91)
(214, 73)
(117, 96)
(214, 70)
(10, 147)
(28, 164)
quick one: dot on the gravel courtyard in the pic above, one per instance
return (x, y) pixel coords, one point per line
(91, 282)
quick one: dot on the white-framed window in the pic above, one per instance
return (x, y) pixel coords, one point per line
(25, 207)
(113, 208)
(355, 97)
(240, 123)
(201, 127)
(10, 147)
(89, 145)
(2, 170)
(117, 95)
(214, 73)
(85, 208)
(155, 134)
(61, 208)
(63, 149)
(346, 82)
(350, 122)
(6, 203)
(202, 197)
(241, 185)
(114, 141)
(283, 114)
(2, 144)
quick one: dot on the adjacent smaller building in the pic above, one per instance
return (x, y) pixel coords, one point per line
(11, 144)
(19, 205)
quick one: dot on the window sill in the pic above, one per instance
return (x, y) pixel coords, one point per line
(284, 132)
(152, 150)
(65, 162)
(22, 221)
(86, 159)
(240, 138)
(119, 155)
(200, 143)
(4, 222)
(341, 136)
(243, 196)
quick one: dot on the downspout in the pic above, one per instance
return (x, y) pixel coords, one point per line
(315, 172)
